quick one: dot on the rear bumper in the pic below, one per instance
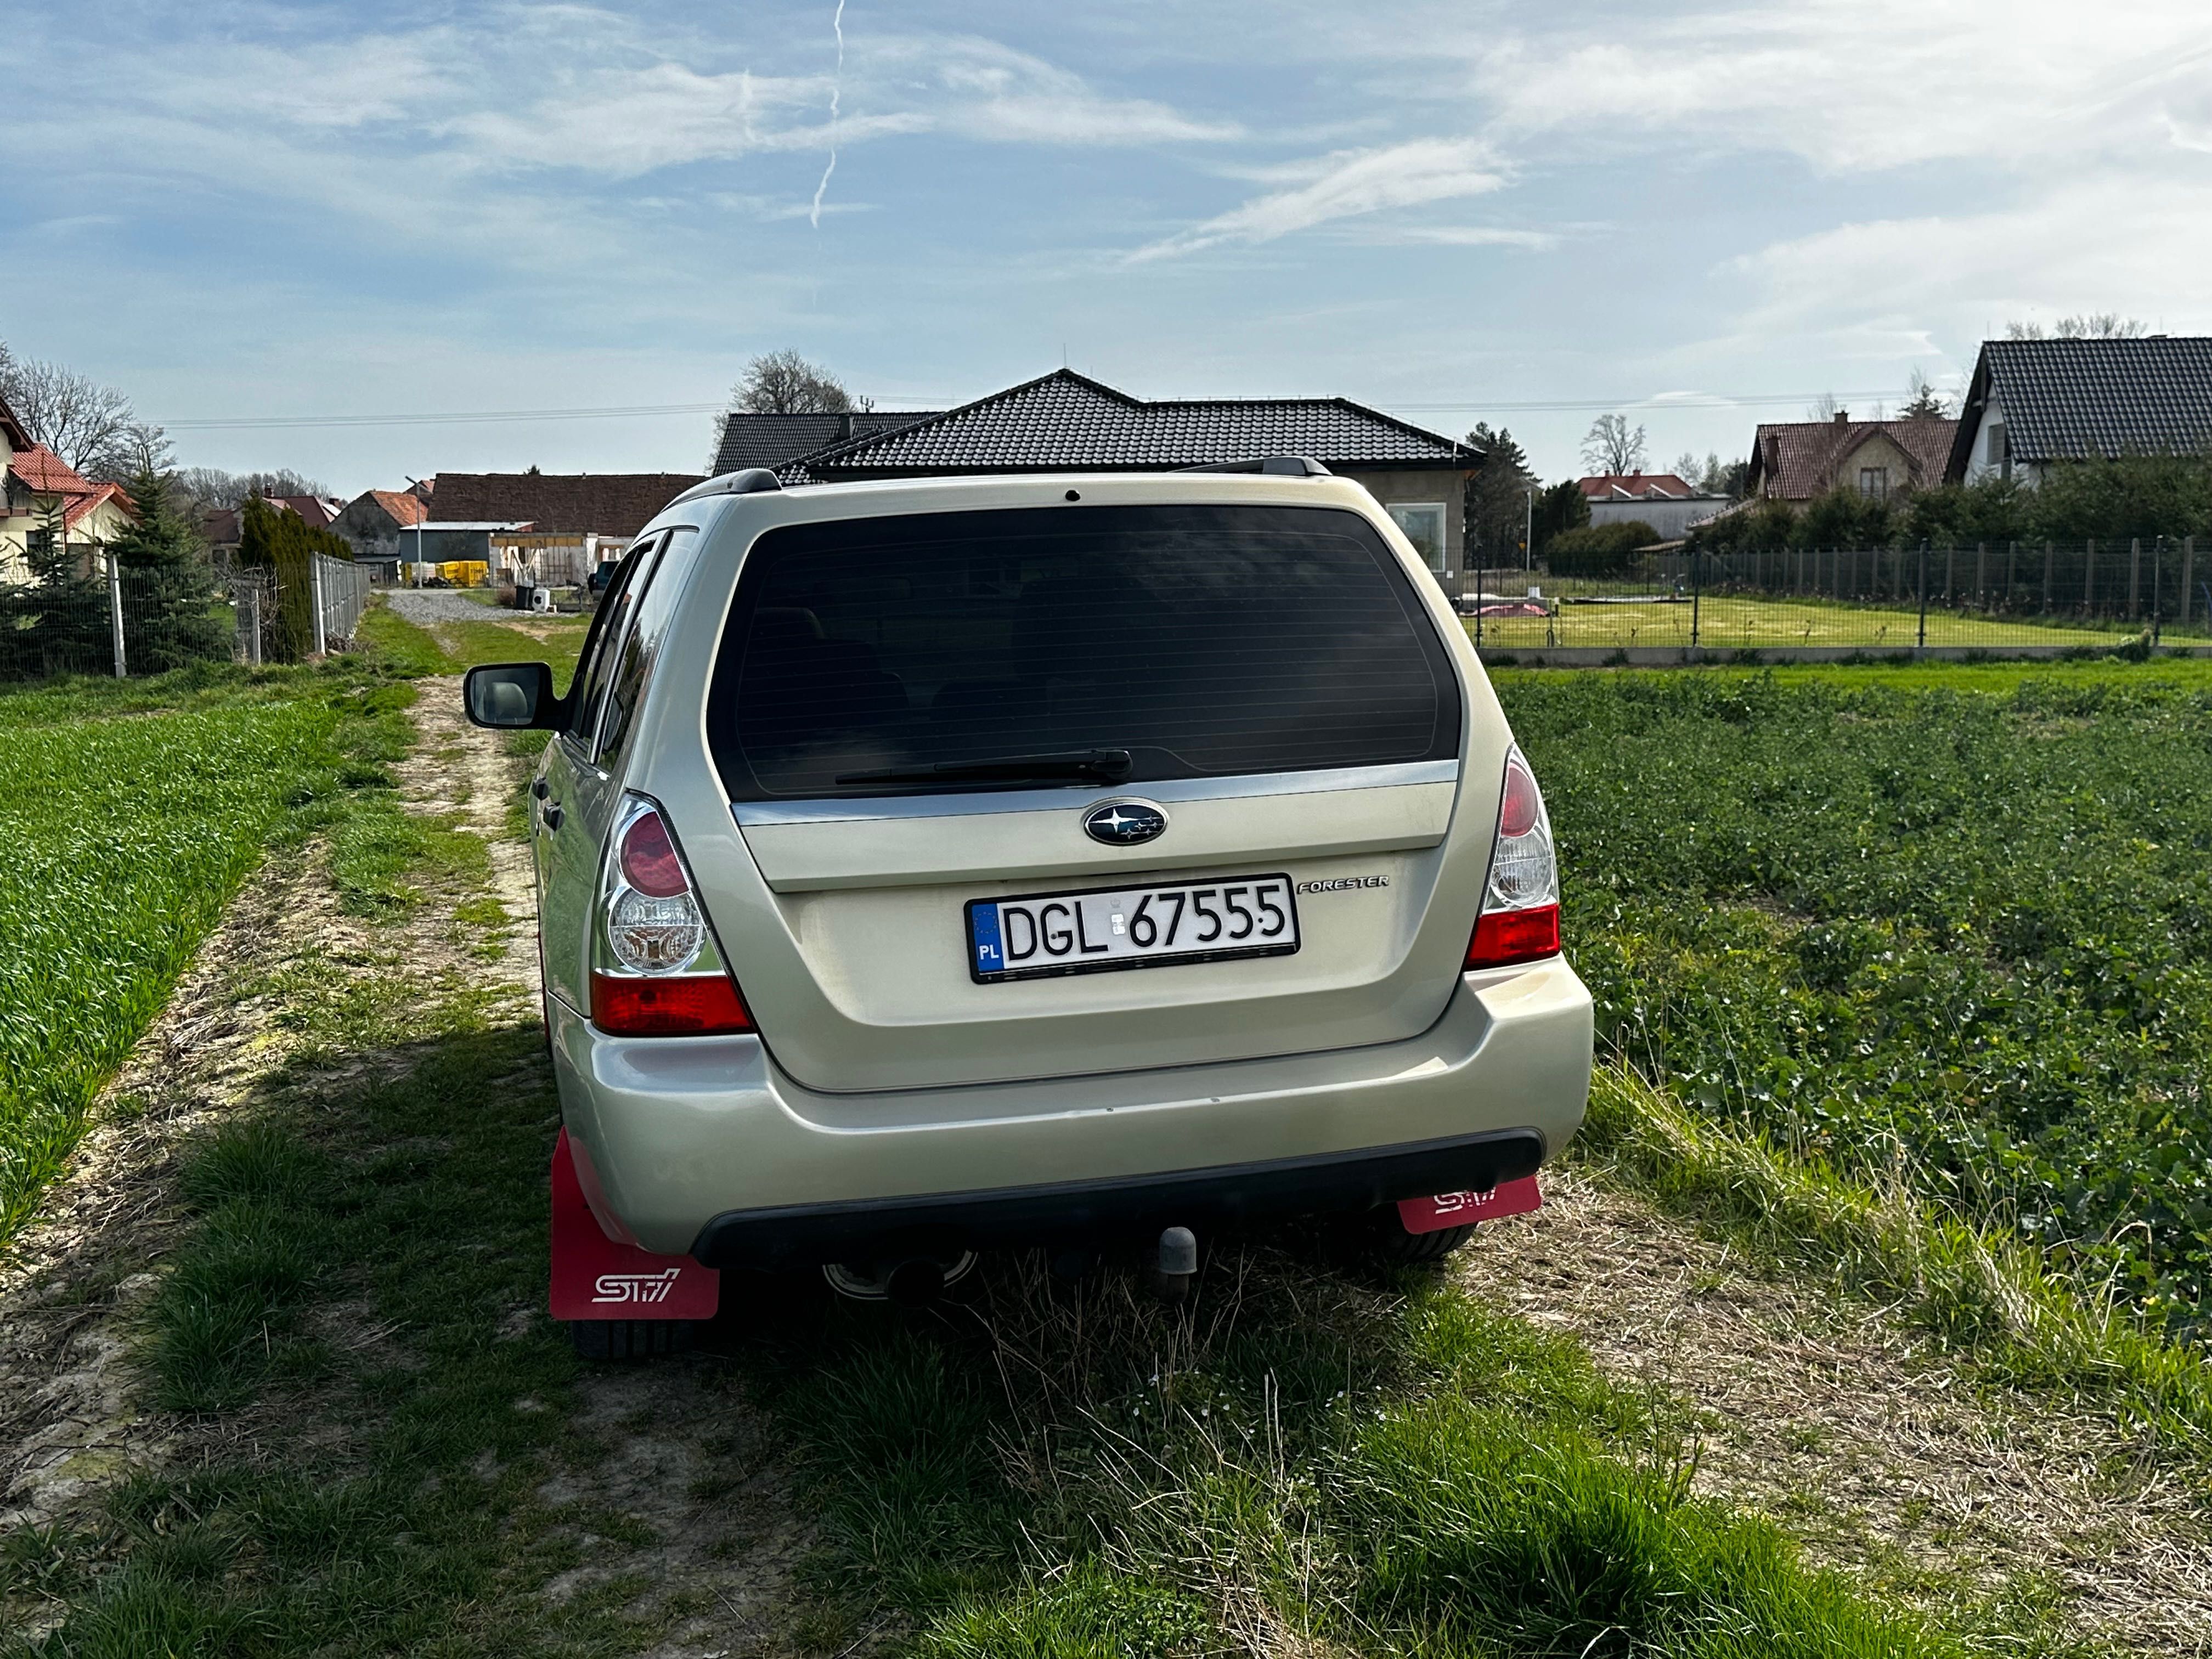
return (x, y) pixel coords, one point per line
(945, 1223)
(702, 1145)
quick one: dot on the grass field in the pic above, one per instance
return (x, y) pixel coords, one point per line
(1729, 623)
(1955, 938)
(129, 824)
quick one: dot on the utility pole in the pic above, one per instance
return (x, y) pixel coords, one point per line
(1528, 526)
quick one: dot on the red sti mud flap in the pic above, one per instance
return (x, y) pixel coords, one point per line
(596, 1277)
(1429, 1215)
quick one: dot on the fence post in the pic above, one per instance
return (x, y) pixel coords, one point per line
(1697, 562)
(1950, 570)
(315, 583)
(2012, 570)
(1478, 611)
(2135, 578)
(253, 634)
(2047, 554)
(115, 611)
(1981, 575)
(2089, 579)
(2188, 574)
(2157, 576)
(1922, 644)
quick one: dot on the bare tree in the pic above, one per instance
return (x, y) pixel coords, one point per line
(210, 486)
(1611, 447)
(2088, 326)
(87, 424)
(785, 383)
(1823, 408)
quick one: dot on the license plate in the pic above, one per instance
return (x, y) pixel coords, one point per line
(1044, 935)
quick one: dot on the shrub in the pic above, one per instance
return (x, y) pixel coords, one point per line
(1599, 549)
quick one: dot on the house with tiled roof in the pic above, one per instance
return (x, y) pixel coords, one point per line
(45, 504)
(1796, 461)
(373, 522)
(774, 441)
(2034, 404)
(1065, 422)
(1667, 502)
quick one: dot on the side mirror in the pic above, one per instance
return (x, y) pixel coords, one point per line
(511, 696)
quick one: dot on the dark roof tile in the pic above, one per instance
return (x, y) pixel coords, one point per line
(1065, 422)
(771, 441)
(2071, 399)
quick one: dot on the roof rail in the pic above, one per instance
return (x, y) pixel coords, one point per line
(750, 481)
(1286, 467)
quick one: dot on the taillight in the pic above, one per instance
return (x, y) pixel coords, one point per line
(656, 970)
(680, 1005)
(1520, 919)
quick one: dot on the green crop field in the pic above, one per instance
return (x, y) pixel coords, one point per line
(125, 836)
(1734, 624)
(1957, 938)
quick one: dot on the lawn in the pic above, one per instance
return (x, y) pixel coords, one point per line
(1923, 932)
(1734, 624)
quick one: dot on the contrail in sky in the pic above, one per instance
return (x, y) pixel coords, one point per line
(837, 87)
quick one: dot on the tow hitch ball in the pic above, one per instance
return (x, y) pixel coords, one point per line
(1175, 1265)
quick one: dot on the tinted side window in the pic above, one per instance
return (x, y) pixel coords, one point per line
(635, 653)
(595, 639)
(1206, 641)
(610, 627)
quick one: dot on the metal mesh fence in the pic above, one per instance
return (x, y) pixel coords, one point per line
(107, 618)
(2019, 597)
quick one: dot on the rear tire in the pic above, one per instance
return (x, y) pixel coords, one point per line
(623, 1340)
(1391, 1243)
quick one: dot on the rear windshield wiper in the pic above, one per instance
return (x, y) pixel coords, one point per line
(1104, 765)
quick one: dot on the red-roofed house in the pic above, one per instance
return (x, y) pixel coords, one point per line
(1797, 460)
(374, 520)
(46, 503)
(1670, 504)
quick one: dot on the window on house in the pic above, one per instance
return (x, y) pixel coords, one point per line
(2000, 447)
(1874, 481)
(1424, 525)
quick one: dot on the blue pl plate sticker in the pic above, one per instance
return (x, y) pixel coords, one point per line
(989, 959)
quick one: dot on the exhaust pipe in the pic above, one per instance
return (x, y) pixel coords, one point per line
(913, 1283)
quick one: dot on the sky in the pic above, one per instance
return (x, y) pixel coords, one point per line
(292, 232)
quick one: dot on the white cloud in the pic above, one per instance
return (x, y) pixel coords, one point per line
(1345, 186)
(1879, 288)
(1851, 84)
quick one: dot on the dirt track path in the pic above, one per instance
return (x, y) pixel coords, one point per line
(1846, 1426)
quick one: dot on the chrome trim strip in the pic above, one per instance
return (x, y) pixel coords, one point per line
(1164, 791)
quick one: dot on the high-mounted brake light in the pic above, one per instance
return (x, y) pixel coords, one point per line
(656, 970)
(1520, 919)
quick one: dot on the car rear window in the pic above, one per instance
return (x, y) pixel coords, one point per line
(1204, 640)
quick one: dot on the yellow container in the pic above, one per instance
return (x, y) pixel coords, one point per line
(463, 573)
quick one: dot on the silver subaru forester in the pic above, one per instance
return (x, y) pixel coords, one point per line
(934, 866)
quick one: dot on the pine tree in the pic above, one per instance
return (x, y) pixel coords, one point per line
(1498, 498)
(171, 614)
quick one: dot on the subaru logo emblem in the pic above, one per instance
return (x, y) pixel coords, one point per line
(1124, 823)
